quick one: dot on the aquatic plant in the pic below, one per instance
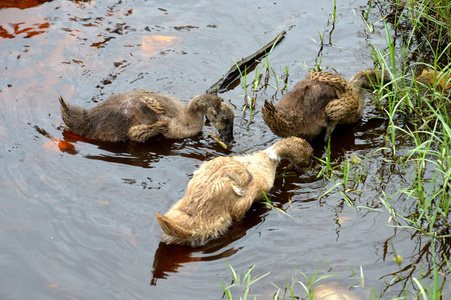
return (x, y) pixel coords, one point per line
(245, 283)
(416, 144)
(309, 284)
(419, 112)
(264, 74)
(269, 204)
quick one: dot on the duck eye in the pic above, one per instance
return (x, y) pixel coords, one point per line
(226, 121)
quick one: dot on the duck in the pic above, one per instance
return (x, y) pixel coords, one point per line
(139, 115)
(223, 189)
(321, 101)
(431, 76)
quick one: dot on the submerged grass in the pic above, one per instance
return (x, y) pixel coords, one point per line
(263, 72)
(269, 204)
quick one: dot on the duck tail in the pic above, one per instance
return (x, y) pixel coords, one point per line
(175, 233)
(275, 120)
(74, 117)
(268, 111)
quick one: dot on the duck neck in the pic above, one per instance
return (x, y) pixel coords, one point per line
(192, 120)
(187, 123)
(294, 149)
(199, 105)
(365, 80)
(275, 153)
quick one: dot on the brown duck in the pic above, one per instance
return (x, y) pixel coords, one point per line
(321, 101)
(222, 190)
(139, 115)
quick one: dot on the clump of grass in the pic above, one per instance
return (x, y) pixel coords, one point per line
(426, 125)
(325, 163)
(248, 100)
(322, 36)
(243, 284)
(419, 114)
(264, 76)
(348, 173)
(309, 284)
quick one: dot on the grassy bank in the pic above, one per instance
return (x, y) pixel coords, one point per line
(417, 111)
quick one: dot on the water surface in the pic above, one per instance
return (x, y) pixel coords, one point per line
(77, 217)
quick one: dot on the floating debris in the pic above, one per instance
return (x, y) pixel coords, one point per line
(217, 139)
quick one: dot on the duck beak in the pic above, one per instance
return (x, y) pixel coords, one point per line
(227, 135)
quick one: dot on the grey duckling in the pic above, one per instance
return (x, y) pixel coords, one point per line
(321, 101)
(140, 115)
(223, 189)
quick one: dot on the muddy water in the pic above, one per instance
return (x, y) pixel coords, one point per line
(77, 217)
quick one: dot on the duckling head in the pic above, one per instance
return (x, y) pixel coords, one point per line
(221, 117)
(297, 150)
(431, 76)
(370, 79)
(426, 77)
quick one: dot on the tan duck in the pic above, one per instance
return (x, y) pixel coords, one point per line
(139, 115)
(321, 101)
(222, 190)
(431, 76)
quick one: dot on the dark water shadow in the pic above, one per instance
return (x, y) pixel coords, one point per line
(348, 137)
(140, 154)
(147, 154)
(342, 140)
(144, 155)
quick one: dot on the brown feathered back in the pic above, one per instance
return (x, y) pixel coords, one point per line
(301, 111)
(321, 101)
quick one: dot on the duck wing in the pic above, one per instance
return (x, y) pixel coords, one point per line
(141, 133)
(152, 104)
(344, 110)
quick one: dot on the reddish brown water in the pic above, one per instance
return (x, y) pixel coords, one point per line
(77, 218)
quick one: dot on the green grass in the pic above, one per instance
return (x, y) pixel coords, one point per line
(426, 122)
(309, 284)
(264, 76)
(419, 114)
(416, 143)
(269, 204)
(244, 284)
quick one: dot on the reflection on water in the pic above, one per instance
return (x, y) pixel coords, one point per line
(22, 4)
(77, 216)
